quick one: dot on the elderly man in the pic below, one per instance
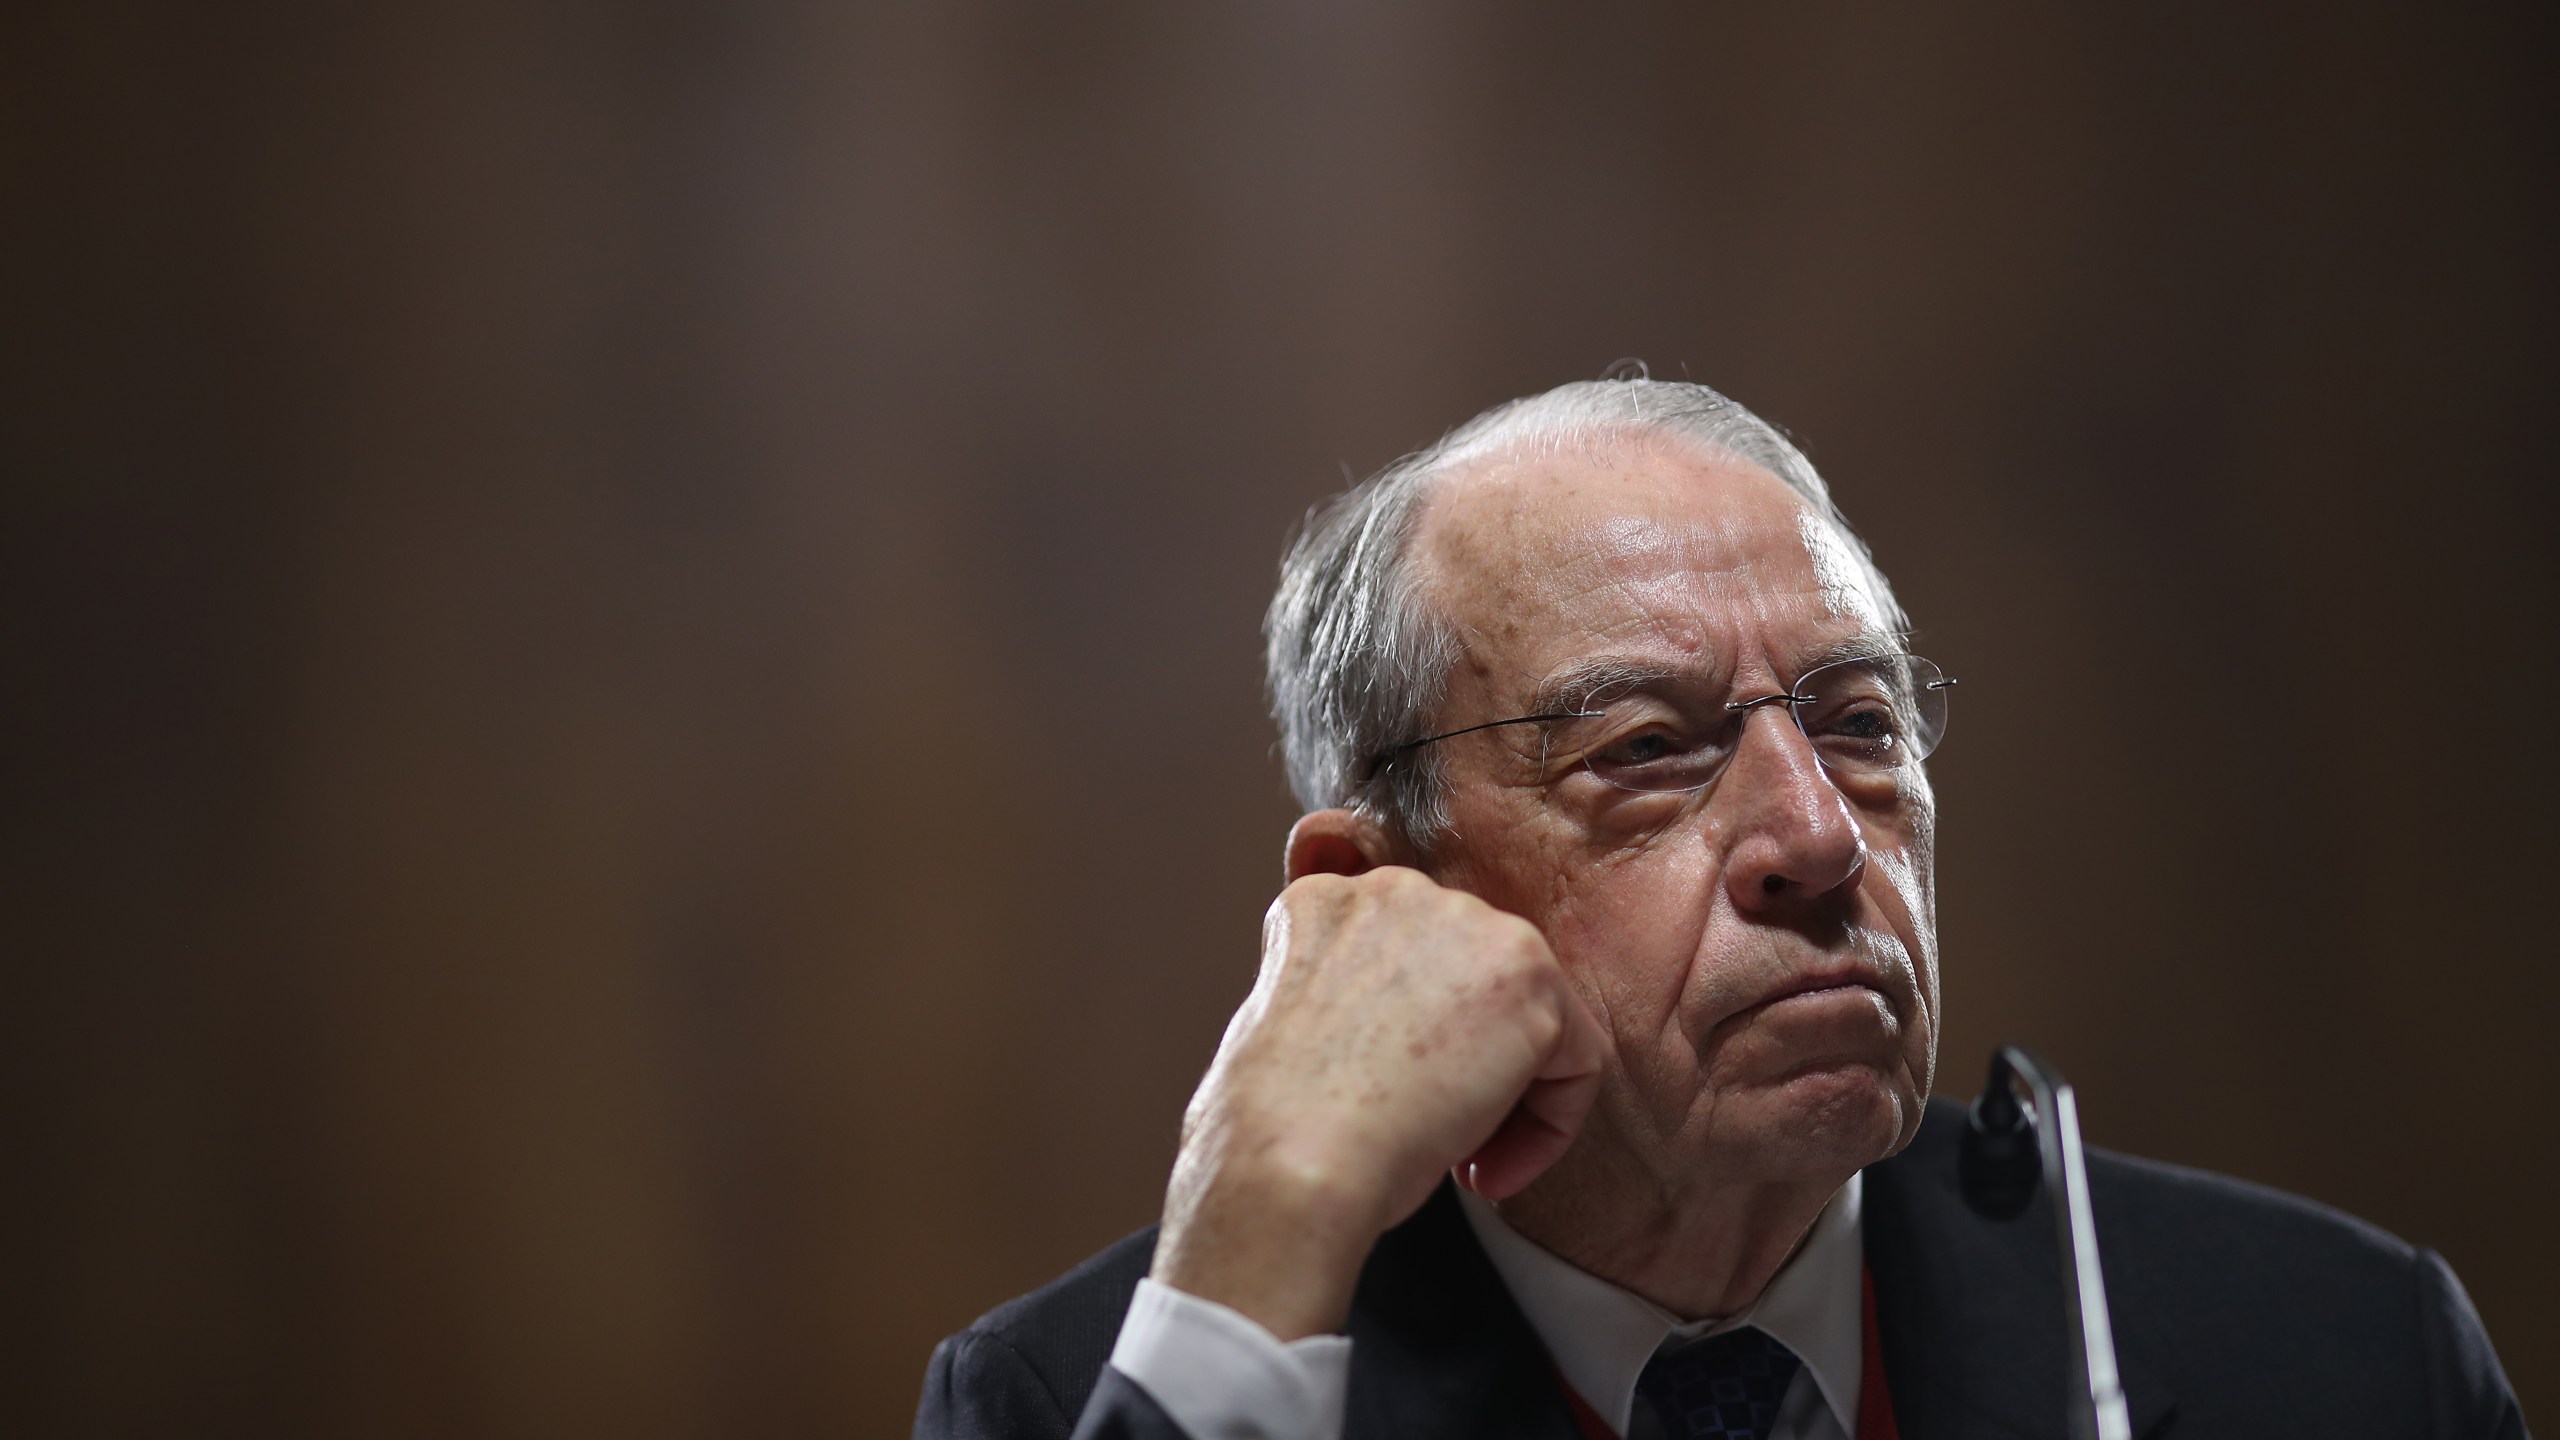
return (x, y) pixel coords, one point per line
(1585, 1086)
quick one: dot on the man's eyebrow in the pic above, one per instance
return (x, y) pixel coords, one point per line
(1870, 645)
(1567, 689)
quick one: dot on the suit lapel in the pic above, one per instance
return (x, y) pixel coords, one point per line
(1439, 1348)
(1968, 1310)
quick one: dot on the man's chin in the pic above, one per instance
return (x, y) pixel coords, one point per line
(1817, 1122)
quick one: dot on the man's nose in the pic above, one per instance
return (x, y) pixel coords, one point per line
(1794, 836)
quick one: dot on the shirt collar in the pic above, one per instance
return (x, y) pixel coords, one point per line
(1600, 1336)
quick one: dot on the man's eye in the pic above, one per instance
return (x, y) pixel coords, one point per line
(1657, 759)
(1874, 725)
(1638, 749)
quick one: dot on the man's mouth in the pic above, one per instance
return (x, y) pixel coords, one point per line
(1822, 990)
(1809, 996)
(1805, 986)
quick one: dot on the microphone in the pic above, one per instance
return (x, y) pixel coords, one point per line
(2007, 1151)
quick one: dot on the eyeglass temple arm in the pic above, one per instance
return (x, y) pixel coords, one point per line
(1379, 761)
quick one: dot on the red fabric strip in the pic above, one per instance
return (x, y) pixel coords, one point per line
(1875, 1403)
(1593, 1427)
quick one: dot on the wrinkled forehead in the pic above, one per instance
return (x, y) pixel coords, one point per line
(1666, 552)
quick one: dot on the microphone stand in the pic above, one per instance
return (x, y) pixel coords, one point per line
(2000, 1171)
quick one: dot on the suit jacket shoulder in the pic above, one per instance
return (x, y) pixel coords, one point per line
(1029, 1367)
(2238, 1310)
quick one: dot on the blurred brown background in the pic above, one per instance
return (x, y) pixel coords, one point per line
(642, 782)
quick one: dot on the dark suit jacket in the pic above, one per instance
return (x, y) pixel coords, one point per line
(2238, 1312)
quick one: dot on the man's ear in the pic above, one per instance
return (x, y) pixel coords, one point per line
(1339, 842)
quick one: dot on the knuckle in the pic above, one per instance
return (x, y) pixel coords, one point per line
(1311, 894)
(1544, 1025)
(1310, 887)
(1516, 972)
(1521, 945)
(1397, 880)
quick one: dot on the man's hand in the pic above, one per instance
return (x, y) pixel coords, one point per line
(1398, 1029)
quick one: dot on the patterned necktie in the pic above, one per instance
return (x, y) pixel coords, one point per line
(1725, 1387)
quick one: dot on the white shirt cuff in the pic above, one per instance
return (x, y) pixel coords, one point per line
(1220, 1376)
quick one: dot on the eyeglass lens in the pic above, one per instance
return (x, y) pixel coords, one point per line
(1862, 717)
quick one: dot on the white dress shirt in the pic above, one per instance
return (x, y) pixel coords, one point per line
(1218, 1374)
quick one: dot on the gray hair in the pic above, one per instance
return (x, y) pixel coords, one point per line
(1357, 662)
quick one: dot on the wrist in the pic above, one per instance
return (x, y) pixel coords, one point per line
(1277, 1236)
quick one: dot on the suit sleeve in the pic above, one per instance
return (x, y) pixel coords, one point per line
(980, 1388)
(2467, 1394)
(1120, 1410)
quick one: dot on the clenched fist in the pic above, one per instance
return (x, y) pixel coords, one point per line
(1398, 1029)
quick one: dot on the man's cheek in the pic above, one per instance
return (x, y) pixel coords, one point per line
(1906, 872)
(1638, 956)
